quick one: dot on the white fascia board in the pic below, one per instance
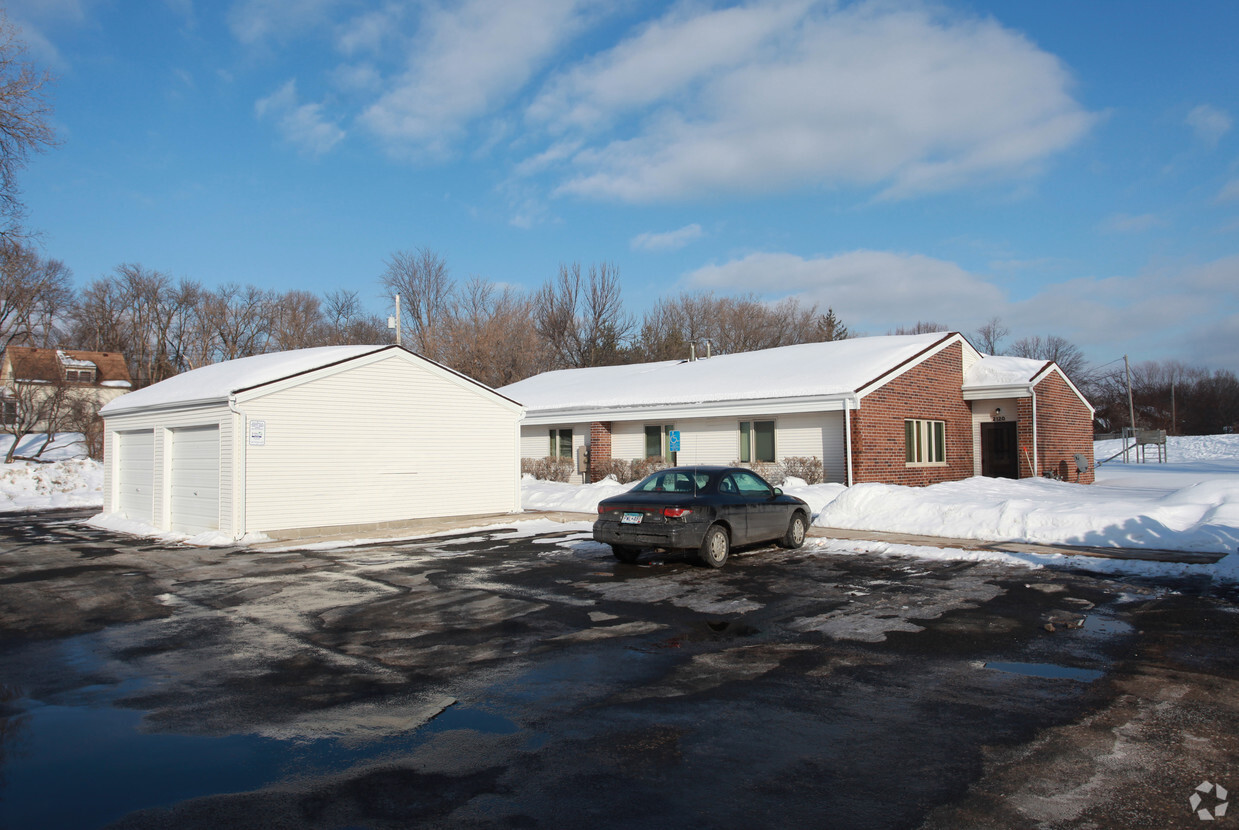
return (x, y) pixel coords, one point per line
(705, 409)
(201, 403)
(1054, 367)
(443, 372)
(1007, 390)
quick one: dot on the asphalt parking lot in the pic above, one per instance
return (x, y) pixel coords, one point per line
(516, 679)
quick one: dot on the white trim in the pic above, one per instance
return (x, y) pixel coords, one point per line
(705, 409)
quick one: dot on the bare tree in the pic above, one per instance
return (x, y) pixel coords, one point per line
(427, 294)
(582, 319)
(490, 337)
(34, 294)
(299, 323)
(1066, 354)
(24, 122)
(990, 336)
(922, 327)
(238, 320)
(30, 407)
(348, 324)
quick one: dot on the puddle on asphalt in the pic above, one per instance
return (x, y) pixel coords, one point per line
(1046, 670)
(85, 763)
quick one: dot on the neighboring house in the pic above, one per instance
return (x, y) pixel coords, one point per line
(29, 376)
(907, 409)
(306, 441)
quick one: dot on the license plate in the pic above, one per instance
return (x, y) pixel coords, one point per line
(631, 519)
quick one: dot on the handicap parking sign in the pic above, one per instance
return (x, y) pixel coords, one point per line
(673, 440)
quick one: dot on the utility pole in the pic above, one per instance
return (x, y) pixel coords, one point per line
(1131, 407)
(394, 322)
(1173, 415)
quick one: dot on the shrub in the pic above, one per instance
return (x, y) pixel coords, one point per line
(770, 471)
(549, 468)
(620, 468)
(642, 467)
(808, 468)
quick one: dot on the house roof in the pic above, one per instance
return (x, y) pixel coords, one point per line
(220, 380)
(47, 365)
(839, 367)
(1000, 370)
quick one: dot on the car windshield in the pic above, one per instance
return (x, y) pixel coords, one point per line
(672, 481)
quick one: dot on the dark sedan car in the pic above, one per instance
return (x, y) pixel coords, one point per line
(707, 509)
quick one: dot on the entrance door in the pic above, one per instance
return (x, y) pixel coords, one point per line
(999, 456)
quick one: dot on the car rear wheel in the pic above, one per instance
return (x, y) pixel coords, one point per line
(624, 553)
(796, 529)
(714, 547)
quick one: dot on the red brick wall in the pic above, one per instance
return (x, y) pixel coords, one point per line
(931, 391)
(599, 449)
(1064, 427)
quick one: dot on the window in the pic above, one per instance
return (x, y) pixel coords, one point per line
(561, 443)
(924, 442)
(756, 441)
(80, 375)
(8, 411)
(658, 442)
(747, 484)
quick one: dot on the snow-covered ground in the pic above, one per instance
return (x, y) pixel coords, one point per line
(1189, 503)
(69, 480)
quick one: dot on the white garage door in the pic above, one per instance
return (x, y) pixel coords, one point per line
(136, 474)
(195, 479)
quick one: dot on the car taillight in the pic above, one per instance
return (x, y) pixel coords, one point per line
(608, 508)
(676, 512)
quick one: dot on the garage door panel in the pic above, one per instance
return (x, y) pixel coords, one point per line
(194, 486)
(136, 476)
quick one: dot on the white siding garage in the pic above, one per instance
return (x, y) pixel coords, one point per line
(194, 499)
(135, 457)
(315, 439)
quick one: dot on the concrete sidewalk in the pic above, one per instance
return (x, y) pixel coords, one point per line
(426, 527)
(1141, 554)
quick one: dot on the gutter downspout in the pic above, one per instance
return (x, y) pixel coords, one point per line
(1036, 456)
(241, 439)
(847, 438)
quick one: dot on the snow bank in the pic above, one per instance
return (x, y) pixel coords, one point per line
(576, 498)
(210, 538)
(70, 480)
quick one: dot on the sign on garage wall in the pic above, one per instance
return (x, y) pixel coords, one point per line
(258, 433)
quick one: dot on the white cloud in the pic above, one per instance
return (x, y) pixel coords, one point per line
(466, 62)
(1186, 311)
(1126, 223)
(1229, 191)
(667, 57)
(301, 124)
(668, 241)
(254, 21)
(1209, 122)
(894, 96)
(870, 290)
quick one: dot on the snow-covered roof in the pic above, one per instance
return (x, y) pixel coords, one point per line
(1000, 370)
(838, 367)
(218, 381)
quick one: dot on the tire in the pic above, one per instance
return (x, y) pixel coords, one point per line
(624, 553)
(715, 547)
(796, 529)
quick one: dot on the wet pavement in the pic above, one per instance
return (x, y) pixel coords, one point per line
(499, 679)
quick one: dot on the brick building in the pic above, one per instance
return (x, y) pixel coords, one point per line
(905, 409)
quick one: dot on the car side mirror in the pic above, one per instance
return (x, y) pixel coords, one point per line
(778, 491)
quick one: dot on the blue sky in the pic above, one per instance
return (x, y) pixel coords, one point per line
(1072, 168)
